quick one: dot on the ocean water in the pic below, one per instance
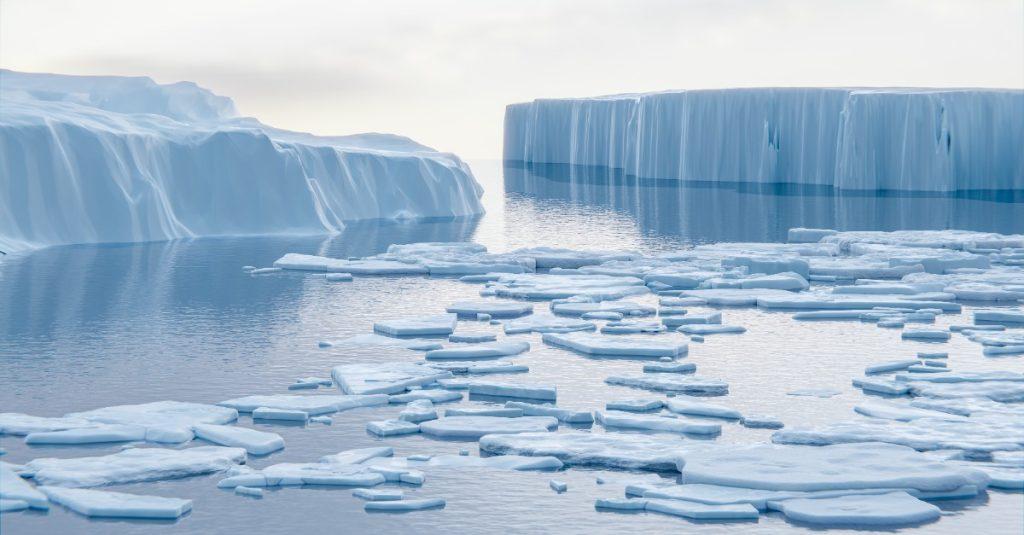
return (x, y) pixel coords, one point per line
(83, 327)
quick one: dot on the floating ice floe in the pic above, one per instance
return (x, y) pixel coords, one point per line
(547, 324)
(98, 433)
(705, 330)
(405, 505)
(617, 346)
(472, 338)
(304, 262)
(673, 367)
(837, 467)
(653, 422)
(99, 503)
(484, 368)
(287, 415)
(420, 410)
(474, 427)
(761, 422)
(384, 377)
(249, 491)
(338, 277)
(892, 509)
(434, 396)
(341, 469)
(464, 460)
(378, 495)
(700, 511)
(310, 383)
(133, 465)
(503, 412)
(632, 327)
(254, 442)
(710, 318)
(575, 306)
(389, 428)
(496, 309)
(612, 450)
(635, 405)
(371, 339)
(922, 433)
(547, 287)
(936, 335)
(486, 350)
(673, 383)
(553, 257)
(696, 407)
(438, 324)
(511, 390)
(999, 315)
(890, 366)
(13, 423)
(15, 489)
(563, 415)
(311, 405)
(814, 392)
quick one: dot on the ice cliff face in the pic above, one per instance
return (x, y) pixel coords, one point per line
(87, 159)
(936, 140)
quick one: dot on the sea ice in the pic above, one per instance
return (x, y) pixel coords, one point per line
(558, 486)
(761, 422)
(890, 366)
(705, 330)
(673, 322)
(675, 367)
(474, 427)
(653, 422)
(434, 396)
(485, 350)
(312, 405)
(388, 428)
(579, 307)
(14, 488)
(612, 450)
(252, 492)
(255, 442)
(100, 503)
(379, 495)
(288, 415)
(304, 262)
(696, 407)
(616, 346)
(510, 390)
(420, 410)
(1000, 315)
(814, 392)
(563, 415)
(384, 377)
(405, 505)
(496, 309)
(503, 412)
(132, 465)
(635, 405)
(673, 383)
(547, 324)
(438, 324)
(892, 509)
(472, 338)
(701, 511)
(936, 335)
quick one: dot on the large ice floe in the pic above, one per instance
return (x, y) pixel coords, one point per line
(101, 503)
(847, 138)
(173, 161)
(133, 465)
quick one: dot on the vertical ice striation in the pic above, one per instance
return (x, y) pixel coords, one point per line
(935, 140)
(88, 159)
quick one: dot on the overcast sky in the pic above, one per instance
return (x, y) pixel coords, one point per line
(442, 71)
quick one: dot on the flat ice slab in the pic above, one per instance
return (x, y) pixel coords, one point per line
(612, 450)
(892, 509)
(305, 262)
(653, 422)
(379, 495)
(702, 511)
(100, 503)
(400, 506)
(417, 326)
(705, 330)
(311, 405)
(547, 324)
(696, 407)
(390, 428)
(486, 350)
(132, 465)
(384, 377)
(14, 488)
(616, 346)
(474, 427)
(673, 383)
(254, 442)
(497, 309)
(512, 390)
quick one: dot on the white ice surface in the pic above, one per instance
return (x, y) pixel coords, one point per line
(101, 503)
(474, 427)
(133, 465)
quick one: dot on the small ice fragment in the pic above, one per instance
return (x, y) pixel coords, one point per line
(490, 308)
(484, 350)
(418, 325)
(487, 411)
(390, 428)
(926, 369)
(620, 504)
(558, 486)
(420, 410)
(472, 338)
(405, 505)
(599, 480)
(252, 492)
(696, 338)
(326, 420)
(474, 427)
(926, 334)
(338, 277)
(677, 367)
(702, 511)
(248, 268)
(890, 366)
(419, 457)
(814, 392)
(267, 413)
(379, 495)
(509, 390)
(999, 315)
(464, 452)
(100, 503)
(695, 407)
(711, 329)
(264, 271)
(10, 506)
(940, 355)
(762, 422)
(635, 405)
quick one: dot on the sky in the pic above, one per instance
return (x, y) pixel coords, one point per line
(442, 71)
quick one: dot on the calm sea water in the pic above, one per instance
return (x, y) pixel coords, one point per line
(83, 327)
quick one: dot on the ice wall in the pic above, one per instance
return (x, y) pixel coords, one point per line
(935, 140)
(88, 159)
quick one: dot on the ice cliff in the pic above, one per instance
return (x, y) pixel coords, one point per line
(87, 159)
(935, 140)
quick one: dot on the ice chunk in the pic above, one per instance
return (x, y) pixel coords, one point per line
(632, 327)
(890, 366)
(937, 335)
(479, 351)
(635, 405)
(338, 277)
(558, 486)
(510, 390)
(97, 433)
(496, 309)
(405, 505)
(474, 427)
(384, 377)
(650, 422)
(701, 511)
(312, 405)
(99, 503)
(921, 433)
(265, 271)
(705, 330)
(696, 407)
(580, 307)
(547, 286)
(13, 423)
(288, 415)
(254, 442)
(132, 465)
(675, 367)
(892, 509)
(547, 324)
(14, 488)
(761, 422)
(417, 326)
(502, 412)
(673, 383)
(306, 262)
(418, 411)
(614, 316)
(249, 491)
(381, 495)
(553, 257)
(616, 346)
(472, 338)
(814, 392)
(563, 415)
(612, 450)
(11, 506)
(881, 386)
(389, 428)
(802, 468)
(1000, 315)
(434, 396)
(673, 322)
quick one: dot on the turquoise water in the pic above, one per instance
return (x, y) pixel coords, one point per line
(83, 327)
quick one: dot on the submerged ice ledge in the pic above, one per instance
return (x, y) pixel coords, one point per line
(935, 140)
(92, 159)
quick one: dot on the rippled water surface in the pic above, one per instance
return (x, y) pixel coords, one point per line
(83, 327)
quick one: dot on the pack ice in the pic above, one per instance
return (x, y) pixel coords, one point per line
(848, 138)
(166, 161)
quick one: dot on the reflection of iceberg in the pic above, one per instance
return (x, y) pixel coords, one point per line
(114, 159)
(740, 212)
(859, 139)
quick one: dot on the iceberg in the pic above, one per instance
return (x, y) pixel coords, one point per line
(170, 161)
(916, 139)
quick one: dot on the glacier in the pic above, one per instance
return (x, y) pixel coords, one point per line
(95, 159)
(870, 139)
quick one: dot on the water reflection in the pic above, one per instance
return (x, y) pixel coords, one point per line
(696, 211)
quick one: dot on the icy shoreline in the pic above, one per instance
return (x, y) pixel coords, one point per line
(933, 140)
(90, 159)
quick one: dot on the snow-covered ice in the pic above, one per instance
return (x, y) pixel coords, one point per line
(547, 324)
(389, 428)
(132, 465)
(653, 422)
(474, 427)
(434, 396)
(575, 448)
(616, 346)
(563, 415)
(881, 510)
(486, 350)
(437, 324)
(701, 511)
(254, 442)
(420, 410)
(384, 377)
(287, 415)
(101, 503)
(673, 383)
